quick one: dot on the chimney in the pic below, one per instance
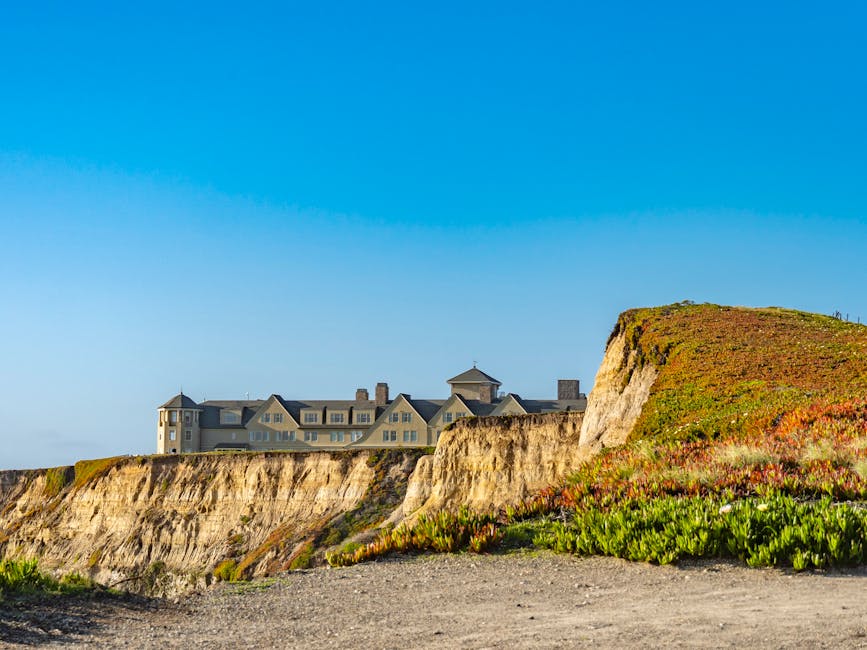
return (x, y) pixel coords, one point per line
(567, 389)
(381, 394)
(486, 393)
(361, 395)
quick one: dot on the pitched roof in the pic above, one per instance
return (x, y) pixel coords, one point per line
(427, 408)
(474, 376)
(180, 401)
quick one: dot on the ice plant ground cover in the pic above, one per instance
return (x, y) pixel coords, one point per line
(752, 444)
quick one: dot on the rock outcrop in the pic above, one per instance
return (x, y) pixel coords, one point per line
(491, 462)
(619, 393)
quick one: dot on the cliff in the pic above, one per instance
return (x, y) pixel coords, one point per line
(490, 462)
(163, 523)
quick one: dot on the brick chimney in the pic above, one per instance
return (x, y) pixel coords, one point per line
(361, 395)
(567, 389)
(486, 393)
(381, 394)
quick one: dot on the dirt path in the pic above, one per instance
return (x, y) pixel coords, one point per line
(519, 601)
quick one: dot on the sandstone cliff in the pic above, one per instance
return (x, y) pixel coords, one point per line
(490, 462)
(619, 393)
(164, 522)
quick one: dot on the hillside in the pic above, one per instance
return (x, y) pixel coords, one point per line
(710, 431)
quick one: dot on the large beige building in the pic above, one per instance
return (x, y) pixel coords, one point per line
(277, 423)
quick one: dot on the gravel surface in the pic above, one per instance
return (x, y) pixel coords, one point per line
(467, 601)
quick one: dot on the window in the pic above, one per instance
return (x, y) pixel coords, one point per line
(389, 436)
(406, 417)
(285, 436)
(447, 417)
(234, 436)
(311, 418)
(337, 418)
(410, 436)
(265, 417)
(462, 414)
(252, 436)
(356, 435)
(171, 434)
(278, 418)
(228, 417)
(337, 436)
(266, 435)
(173, 417)
(188, 435)
(311, 436)
(394, 417)
(362, 418)
(188, 417)
(291, 436)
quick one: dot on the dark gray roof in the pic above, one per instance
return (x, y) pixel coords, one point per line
(553, 405)
(474, 376)
(479, 408)
(180, 401)
(427, 408)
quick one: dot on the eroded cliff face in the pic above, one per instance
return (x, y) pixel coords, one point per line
(620, 391)
(186, 514)
(491, 462)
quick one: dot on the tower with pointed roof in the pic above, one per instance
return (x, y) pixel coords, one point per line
(475, 384)
(178, 427)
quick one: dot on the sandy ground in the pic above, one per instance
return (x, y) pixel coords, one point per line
(466, 601)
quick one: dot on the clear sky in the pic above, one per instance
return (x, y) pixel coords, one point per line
(305, 199)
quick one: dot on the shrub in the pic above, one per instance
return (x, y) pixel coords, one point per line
(225, 571)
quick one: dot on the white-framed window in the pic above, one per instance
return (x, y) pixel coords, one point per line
(337, 418)
(311, 418)
(410, 436)
(447, 417)
(406, 417)
(394, 417)
(362, 418)
(265, 417)
(172, 434)
(188, 435)
(356, 435)
(266, 435)
(337, 436)
(188, 417)
(252, 436)
(389, 436)
(278, 418)
(173, 417)
(311, 436)
(291, 436)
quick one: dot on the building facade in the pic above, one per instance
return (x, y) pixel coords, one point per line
(185, 426)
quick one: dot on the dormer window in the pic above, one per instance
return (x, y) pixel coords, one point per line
(311, 418)
(337, 418)
(228, 417)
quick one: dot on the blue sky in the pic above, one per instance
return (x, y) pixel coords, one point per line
(305, 199)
